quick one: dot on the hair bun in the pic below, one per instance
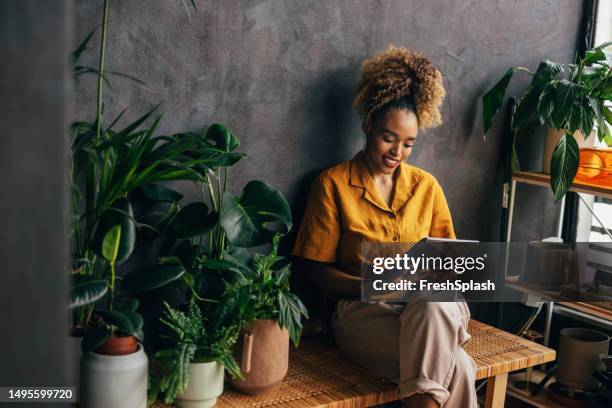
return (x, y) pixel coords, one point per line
(395, 73)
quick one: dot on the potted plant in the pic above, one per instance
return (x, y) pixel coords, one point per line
(190, 371)
(573, 104)
(107, 166)
(213, 245)
(275, 316)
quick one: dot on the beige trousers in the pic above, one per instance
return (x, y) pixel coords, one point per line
(417, 345)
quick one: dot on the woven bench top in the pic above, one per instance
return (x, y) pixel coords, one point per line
(319, 376)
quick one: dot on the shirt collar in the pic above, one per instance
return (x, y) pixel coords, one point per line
(406, 181)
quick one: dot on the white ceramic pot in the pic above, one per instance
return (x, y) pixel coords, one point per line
(74, 349)
(205, 385)
(114, 381)
(552, 138)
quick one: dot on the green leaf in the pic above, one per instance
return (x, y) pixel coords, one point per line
(86, 289)
(94, 338)
(157, 192)
(547, 70)
(120, 320)
(126, 304)
(110, 244)
(148, 278)
(494, 98)
(526, 107)
(594, 55)
(191, 221)
(564, 165)
(566, 95)
(246, 220)
(223, 137)
(76, 54)
(120, 213)
(546, 104)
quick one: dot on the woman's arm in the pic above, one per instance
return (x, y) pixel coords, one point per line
(329, 278)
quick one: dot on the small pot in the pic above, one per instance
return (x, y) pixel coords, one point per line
(117, 381)
(205, 385)
(263, 353)
(118, 346)
(579, 356)
(552, 138)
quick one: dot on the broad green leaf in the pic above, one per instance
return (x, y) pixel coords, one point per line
(86, 289)
(186, 252)
(594, 55)
(547, 70)
(191, 221)
(110, 244)
(157, 192)
(494, 98)
(526, 107)
(126, 304)
(546, 104)
(153, 277)
(120, 320)
(247, 220)
(120, 213)
(566, 95)
(564, 165)
(223, 137)
(94, 338)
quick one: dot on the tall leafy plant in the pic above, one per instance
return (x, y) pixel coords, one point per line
(107, 166)
(577, 102)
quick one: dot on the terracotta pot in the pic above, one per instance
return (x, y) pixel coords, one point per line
(263, 353)
(118, 346)
(552, 138)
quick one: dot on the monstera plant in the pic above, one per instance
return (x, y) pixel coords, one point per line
(578, 102)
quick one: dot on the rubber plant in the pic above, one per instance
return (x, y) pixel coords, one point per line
(577, 102)
(107, 166)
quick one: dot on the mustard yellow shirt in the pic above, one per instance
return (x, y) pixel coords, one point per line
(345, 208)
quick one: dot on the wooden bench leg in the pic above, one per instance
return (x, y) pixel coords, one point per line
(496, 391)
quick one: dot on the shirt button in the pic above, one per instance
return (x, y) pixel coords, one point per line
(392, 216)
(395, 238)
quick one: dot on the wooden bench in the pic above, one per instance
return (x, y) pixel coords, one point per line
(320, 377)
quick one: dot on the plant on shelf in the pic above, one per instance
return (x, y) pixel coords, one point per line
(575, 103)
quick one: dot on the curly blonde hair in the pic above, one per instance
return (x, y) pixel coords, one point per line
(397, 73)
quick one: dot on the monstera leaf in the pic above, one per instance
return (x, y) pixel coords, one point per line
(251, 219)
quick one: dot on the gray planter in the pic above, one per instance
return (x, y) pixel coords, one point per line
(114, 381)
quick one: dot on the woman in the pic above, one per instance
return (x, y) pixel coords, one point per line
(377, 197)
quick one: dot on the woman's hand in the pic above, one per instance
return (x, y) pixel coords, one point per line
(332, 280)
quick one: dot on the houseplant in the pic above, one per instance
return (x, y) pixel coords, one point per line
(275, 316)
(106, 167)
(190, 372)
(575, 103)
(214, 246)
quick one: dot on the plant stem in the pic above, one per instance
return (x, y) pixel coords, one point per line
(111, 297)
(101, 71)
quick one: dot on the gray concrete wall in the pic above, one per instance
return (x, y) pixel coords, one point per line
(281, 75)
(34, 93)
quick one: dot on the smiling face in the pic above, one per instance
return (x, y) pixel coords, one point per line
(390, 140)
